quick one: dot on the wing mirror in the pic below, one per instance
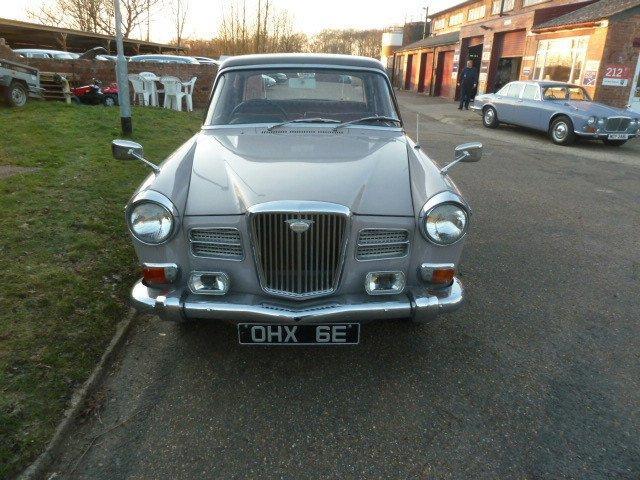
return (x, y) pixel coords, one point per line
(128, 150)
(466, 153)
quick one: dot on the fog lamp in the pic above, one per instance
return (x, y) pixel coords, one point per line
(159, 273)
(438, 274)
(209, 283)
(384, 283)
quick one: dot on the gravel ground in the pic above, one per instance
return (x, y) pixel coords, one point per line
(536, 378)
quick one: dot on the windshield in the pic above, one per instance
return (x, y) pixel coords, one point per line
(565, 92)
(284, 95)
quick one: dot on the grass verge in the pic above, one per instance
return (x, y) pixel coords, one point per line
(67, 261)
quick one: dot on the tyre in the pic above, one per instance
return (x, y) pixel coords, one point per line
(75, 100)
(613, 143)
(490, 117)
(16, 95)
(561, 131)
(110, 101)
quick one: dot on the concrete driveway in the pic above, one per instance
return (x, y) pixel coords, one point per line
(537, 378)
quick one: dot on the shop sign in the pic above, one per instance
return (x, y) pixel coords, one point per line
(526, 72)
(616, 76)
(483, 77)
(486, 56)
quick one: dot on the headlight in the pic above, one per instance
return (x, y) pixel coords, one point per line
(150, 222)
(592, 120)
(445, 224)
(601, 121)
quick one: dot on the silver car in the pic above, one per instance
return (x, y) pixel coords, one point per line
(564, 111)
(299, 211)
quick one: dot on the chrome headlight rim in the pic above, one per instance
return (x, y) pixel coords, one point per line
(438, 200)
(151, 196)
(592, 120)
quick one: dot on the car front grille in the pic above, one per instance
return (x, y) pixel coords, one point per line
(618, 124)
(378, 244)
(220, 243)
(299, 265)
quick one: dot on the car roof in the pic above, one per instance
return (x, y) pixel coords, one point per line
(301, 59)
(546, 83)
(38, 50)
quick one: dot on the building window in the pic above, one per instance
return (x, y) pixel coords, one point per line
(526, 3)
(477, 13)
(561, 59)
(439, 24)
(498, 6)
(456, 19)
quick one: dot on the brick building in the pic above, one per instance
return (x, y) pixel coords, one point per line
(592, 43)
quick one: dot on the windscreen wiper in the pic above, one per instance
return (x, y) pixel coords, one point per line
(303, 120)
(377, 118)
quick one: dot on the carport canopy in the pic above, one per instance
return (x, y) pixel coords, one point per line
(20, 34)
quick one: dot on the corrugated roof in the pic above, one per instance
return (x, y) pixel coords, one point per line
(591, 13)
(444, 39)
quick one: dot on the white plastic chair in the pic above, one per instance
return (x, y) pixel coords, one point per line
(140, 94)
(172, 92)
(188, 88)
(150, 86)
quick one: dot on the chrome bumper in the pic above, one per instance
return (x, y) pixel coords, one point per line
(418, 304)
(602, 135)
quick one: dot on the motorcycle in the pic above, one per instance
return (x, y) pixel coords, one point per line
(96, 94)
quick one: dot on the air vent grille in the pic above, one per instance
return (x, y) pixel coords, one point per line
(221, 243)
(379, 244)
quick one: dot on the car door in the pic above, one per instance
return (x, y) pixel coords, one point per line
(510, 102)
(528, 110)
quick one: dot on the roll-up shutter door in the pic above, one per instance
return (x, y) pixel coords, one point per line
(511, 44)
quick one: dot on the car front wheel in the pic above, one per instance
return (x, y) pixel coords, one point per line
(561, 131)
(614, 143)
(16, 95)
(490, 118)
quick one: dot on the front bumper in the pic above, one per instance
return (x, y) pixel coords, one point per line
(419, 304)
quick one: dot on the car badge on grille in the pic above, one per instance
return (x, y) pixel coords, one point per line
(298, 225)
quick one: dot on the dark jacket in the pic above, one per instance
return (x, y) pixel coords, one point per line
(468, 78)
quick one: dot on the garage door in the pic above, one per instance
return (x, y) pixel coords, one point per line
(415, 72)
(428, 72)
(511, 44)
(446, 84)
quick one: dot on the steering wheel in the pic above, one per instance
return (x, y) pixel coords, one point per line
(254, 106)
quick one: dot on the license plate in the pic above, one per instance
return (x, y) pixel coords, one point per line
(618, 136)
(336, 334)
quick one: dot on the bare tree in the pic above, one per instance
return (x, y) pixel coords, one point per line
(349, 42)
(96, 16)
(180, 15)
(272, 29)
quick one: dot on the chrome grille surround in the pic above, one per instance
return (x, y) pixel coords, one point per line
(382, 243)
(305, 265)
(617, 124)
(222, 243)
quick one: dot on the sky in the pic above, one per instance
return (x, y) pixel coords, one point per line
(310, 16)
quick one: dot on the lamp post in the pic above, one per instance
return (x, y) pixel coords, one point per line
(426, 21)
(122, 77)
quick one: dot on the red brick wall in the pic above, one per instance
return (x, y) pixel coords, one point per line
(619, 50)
(80, 72)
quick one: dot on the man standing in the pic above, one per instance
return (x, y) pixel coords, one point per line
(468, 83)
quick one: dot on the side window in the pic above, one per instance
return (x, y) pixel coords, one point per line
(531, 93)
(504, 91)
(515, 89)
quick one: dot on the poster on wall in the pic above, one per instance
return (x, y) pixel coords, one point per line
(590, 78)
(616, 76)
